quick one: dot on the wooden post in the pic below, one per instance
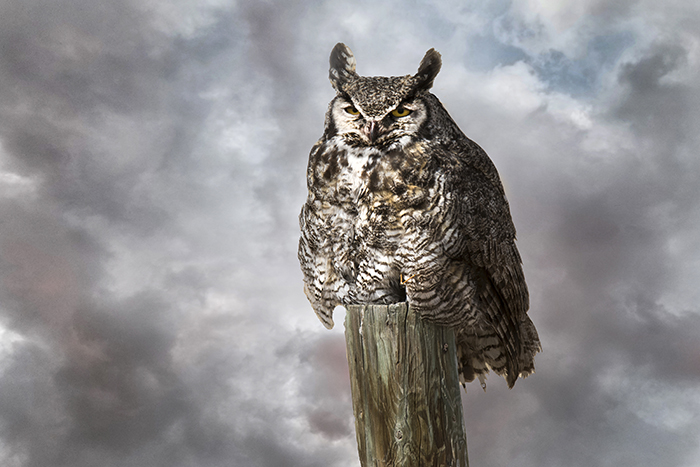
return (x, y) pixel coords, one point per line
(405, 389)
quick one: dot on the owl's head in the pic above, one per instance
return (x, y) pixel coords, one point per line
(378, 110)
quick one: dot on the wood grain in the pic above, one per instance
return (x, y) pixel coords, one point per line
(405, 389)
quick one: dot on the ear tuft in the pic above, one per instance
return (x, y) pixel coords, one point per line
(428, 69)
(342, 66)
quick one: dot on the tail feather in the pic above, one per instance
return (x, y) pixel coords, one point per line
(479, 351)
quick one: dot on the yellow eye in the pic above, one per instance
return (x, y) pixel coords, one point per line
(400, 112)
(352, 110)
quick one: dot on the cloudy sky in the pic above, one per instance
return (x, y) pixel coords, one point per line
(152, 160)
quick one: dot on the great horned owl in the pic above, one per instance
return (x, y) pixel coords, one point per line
(403, 206)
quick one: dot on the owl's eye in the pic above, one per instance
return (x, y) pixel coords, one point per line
(352, 110)
(400, 112)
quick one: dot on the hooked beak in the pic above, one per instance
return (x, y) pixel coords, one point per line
(372, 130)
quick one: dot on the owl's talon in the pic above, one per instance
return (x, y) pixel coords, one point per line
(402, 281)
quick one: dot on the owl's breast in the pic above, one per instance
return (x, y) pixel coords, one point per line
(372, 208)
(375, 189)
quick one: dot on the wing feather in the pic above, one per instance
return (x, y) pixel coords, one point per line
(490, 246)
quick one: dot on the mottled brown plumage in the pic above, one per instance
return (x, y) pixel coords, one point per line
(403, 206)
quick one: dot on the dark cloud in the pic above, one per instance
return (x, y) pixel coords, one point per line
(80, 56)
(152, 160)
(656, 106)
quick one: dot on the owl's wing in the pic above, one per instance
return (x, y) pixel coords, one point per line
(490, 246)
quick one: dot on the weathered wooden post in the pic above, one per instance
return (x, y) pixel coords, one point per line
(405, 389)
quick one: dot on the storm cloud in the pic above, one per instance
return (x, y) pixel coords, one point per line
(152, 166)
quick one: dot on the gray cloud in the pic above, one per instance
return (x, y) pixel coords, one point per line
(152, 160)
